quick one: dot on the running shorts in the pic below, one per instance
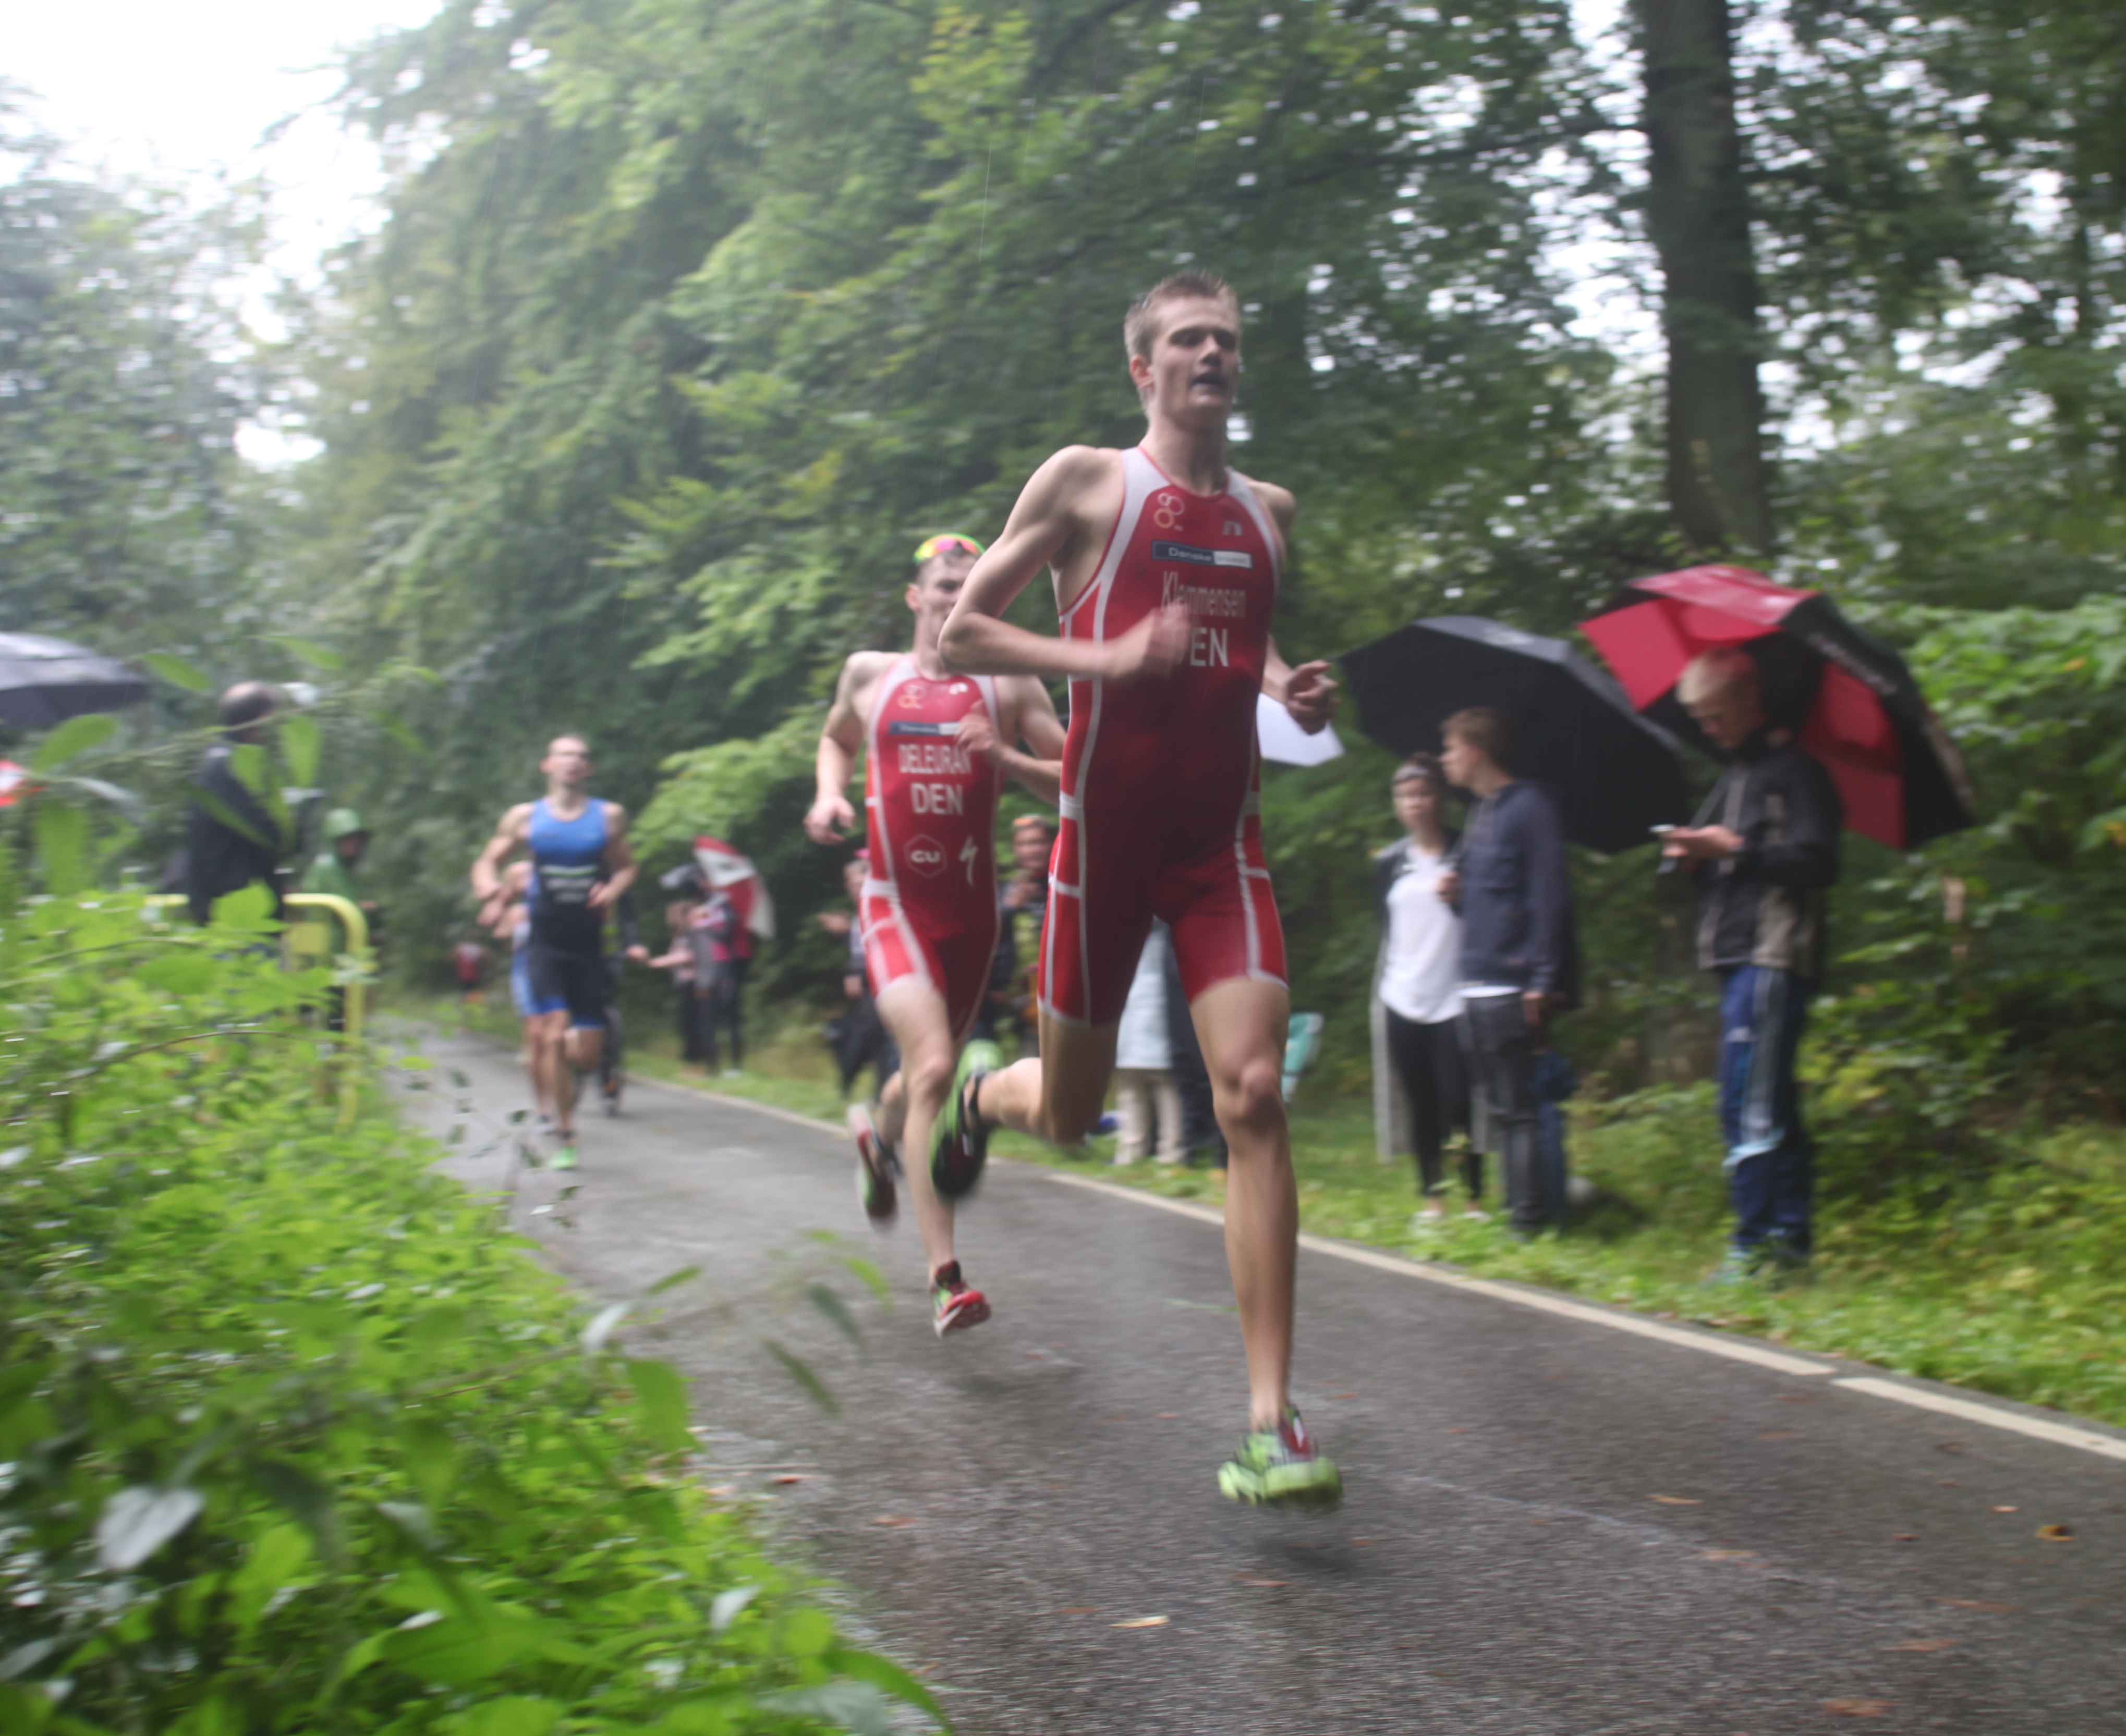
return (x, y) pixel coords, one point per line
(939, 947)
(1101, 900)
(562, 981)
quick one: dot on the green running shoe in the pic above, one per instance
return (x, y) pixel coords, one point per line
(1281, 1467)
(565, 1156)
(959, 1143)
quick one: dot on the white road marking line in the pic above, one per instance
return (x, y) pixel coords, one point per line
(1185, 1208)
(2062, 1434)
(1736, 1350)
(1968, 1410)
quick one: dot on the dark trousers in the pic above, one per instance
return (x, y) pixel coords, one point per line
(692, 1015)
(1500, 1050)
(1770, 1162)
(1428, 1061)
(721, 1010)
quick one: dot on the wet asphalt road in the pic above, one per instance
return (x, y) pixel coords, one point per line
(1551, 1526)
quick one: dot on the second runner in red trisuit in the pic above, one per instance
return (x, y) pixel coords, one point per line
(936, 747)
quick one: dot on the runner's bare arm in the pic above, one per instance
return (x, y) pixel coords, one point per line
(1029, 716)
(619, 859)
(1050, 525)
(487, 865)
(830, 816)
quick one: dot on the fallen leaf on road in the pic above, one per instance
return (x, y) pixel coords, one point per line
(1362, 1543)
(1904, 1537)
(892, 1519)
(1980, 1603)
(790, 1477)
(1458, 1432)
(1170, 1416)
(1926, 1646)
(2056, 1533)
(1141, 1621)
(2007, 1510)
(723, 1491)
(1250, 1579)
(1728, 1554)
(1858, 1708)
(1679, 1501)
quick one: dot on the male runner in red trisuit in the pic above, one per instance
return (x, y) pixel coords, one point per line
(937, 747)
(1165, 564)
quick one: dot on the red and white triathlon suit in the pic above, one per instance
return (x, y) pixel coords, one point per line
(1160, 814)
(930, 902)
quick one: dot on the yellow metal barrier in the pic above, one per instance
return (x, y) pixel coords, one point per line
(306, 944)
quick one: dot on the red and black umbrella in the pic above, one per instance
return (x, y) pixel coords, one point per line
(1849, 696)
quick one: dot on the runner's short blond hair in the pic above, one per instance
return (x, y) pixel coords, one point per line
(1139, 326)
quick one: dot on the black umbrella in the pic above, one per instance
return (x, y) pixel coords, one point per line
(1615, 774)
(44, 682)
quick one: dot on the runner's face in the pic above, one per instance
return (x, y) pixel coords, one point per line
(936, 589)
(1194, 368)
(568, 763)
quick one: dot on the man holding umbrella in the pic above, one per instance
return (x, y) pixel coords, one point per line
(1764, 866)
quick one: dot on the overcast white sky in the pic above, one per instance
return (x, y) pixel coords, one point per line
(184, 88)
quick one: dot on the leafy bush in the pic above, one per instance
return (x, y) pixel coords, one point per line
(298, 1439)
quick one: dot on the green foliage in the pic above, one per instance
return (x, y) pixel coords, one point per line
(297, 1439)
(125, 517)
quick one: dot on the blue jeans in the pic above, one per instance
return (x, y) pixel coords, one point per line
(1770, 1163)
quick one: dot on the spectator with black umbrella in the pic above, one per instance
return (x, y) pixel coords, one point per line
(1520, 961)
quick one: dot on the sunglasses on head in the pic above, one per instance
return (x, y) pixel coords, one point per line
(948, 545)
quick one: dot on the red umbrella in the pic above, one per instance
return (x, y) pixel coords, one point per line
(731, 871)
(1859, 709)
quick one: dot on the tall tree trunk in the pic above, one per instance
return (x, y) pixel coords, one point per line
(1698, 213)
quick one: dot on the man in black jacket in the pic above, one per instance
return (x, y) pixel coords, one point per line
(1519, 960)
(1764, 865)
(231, 841)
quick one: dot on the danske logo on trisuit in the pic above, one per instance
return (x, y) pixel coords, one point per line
(1203, 557)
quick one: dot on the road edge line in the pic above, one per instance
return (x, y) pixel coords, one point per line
(1992, 1416)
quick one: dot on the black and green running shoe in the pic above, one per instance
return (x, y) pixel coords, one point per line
(959, 1143)
(1281, 1467)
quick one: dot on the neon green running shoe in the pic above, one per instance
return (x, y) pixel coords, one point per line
(959, 1143)
(1281, 1467)
(565, 1156)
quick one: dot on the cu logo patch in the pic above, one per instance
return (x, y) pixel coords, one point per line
(926, 856)
(1166, 510)
(913, 694)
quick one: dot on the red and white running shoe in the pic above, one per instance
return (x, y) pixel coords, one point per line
(955, 1304)
(877, 1164)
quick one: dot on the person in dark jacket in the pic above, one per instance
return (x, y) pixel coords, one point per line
(231, 841)
(1765, 865)
(1519, 964)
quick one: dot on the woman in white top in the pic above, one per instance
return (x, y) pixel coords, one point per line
(1419, 971)
(1144, 1087)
